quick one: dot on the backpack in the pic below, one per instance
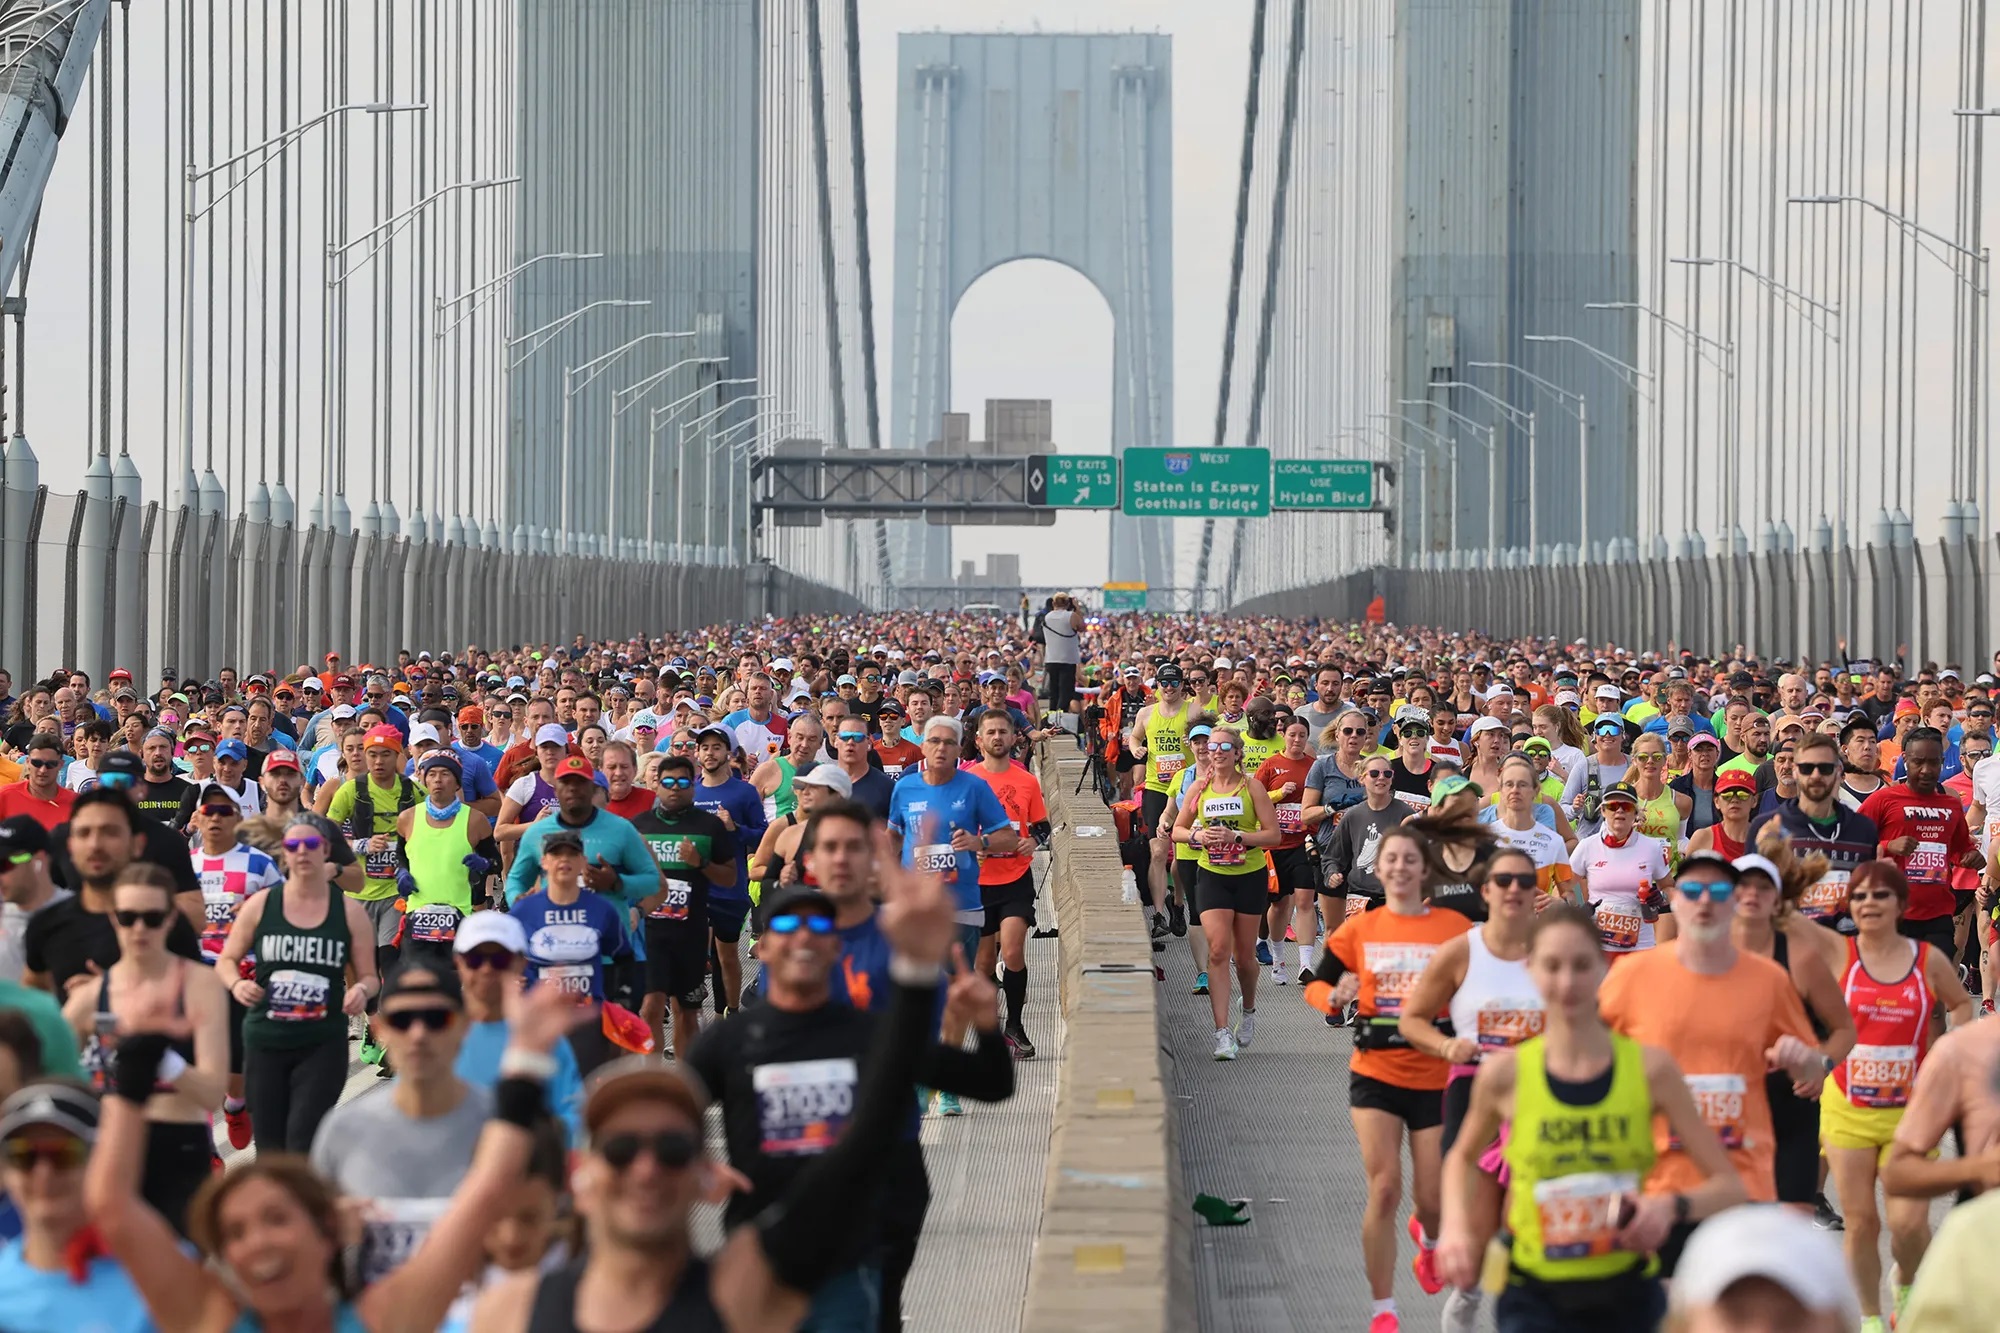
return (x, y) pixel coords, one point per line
(361, 823)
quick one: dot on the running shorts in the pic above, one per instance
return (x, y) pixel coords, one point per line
(1184, 879)
(1295, 868)
(386, 919)
(1016, 898)
(1415, 1107)
(1842, 1124)
(726, 917)
(1937, 930)
(676, 960)
(1152, 804)
(1243, 894)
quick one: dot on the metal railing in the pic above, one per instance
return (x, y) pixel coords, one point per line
(1925, 601)
(220, 590)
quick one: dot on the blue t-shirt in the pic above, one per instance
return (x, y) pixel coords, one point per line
(568, 943)
(32, 1301)
(746, 807)
(926, 815)
(487, 753)
(873, 791)
(478, 1063)
(477, 783)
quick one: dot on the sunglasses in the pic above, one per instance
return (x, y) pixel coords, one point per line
(219, 810)
(1715, 890)
(1353, 731)
(308, 842)
(1649, 759)
(436, 1018)
(676, 784)
(45, 763)
(671, 1148)
(1412, 729)
(1733, 796)
(64, 1154)
(152, 918)
(851, 735)
(498, 959)
(1818, 770)
(1871, 895)
(787, 923)
(200, 749)
(1382, 773)
(1224, 746)
(1512, 880)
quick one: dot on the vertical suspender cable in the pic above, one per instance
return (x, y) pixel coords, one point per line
(858, 164)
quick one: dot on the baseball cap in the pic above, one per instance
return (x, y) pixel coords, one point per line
(797, 898)
(20, 838)
(1536, 745)
(1607, 724)
(216, 789)
(1767, 1241)
(781, 664)
(1620, 791)
(639, 1078)
(1701, 738)
(1413, 716)
(312, 683)
(1735, 779)
(1452, 784)
(472, 715)
(1753, 861)
(63, 1106)
(891, 707)
(282, 759)
(1568, 698)
(342, 712)
(423, 733)
(646, 718)
(120, 768)
(1487, 724)
(1606, 692)
(552, 733)
(232, 748)
(847, 680)
(416, 976)
(1170, 674)
(499, 928)
(1714, 860)
(560, 839)
(383, 737)
(575, 766)
(1679, 729)
(828, 776)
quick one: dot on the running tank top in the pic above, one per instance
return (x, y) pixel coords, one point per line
(1187, 851)
(780, 860)
(784, 800)
(1571, 1165)
(1238, 811)
(1891, 1029)
(1166, 747)
(540, 800)
(1497, 1004)
(1255, 752)
(303, 970)
(690, 1310)
(1701, 813)
(1661, 818)
(1790, 1113)
(1727, 846)
(99, 1056)
(437, 864)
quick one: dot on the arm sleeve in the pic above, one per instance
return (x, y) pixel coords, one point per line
(985, 1074)
(794, 1229)
(638, 873)
(1336, 957)
(527, 866)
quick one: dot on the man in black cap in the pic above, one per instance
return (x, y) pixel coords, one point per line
(25, 887)
(158, 844)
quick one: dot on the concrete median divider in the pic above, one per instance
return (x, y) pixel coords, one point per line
(1115, 1244)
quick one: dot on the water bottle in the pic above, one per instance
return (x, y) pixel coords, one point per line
(1128, 885)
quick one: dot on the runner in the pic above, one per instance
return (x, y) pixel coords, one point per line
(1007, 881)
(736, 803)
(1818, 822)
(1727, 1018)
(1159, 739)
(228, 875)
(1663, 814)
(1577, 1099)
(1891, 983)
(1181, 890)
(1412, 763)
(1736, 802)
(367, 808)
(448, 850)
(492, 958)
(1523, 824)
(302, 934)
(1623, 874)
(1294, 861)
(572, 932)
(1238, 822)
(1394, 1090)
(1349, 857)
(1923, 830)
(1583, 791)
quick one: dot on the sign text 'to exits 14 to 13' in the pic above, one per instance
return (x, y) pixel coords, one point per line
(1073, 481)
(1197, 483)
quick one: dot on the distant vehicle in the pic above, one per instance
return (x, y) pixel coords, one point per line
(981, 609)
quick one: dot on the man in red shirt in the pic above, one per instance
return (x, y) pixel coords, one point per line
(1922, 829)
(42, 796)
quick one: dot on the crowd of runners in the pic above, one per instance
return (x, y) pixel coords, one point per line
(1620, 943)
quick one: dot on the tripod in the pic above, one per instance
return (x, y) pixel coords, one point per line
(1097, 767)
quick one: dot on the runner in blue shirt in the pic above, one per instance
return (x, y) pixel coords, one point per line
(740, 806)
(572, 933)
(942, 819)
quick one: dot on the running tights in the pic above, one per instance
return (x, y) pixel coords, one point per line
(179, 1157)
(290, 1092)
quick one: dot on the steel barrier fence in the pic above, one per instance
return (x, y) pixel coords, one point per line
(90, 583)
(1929, 601)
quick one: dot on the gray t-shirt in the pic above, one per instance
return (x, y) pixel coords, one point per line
(1318, 722)
(406, 1168)
(1059, 635)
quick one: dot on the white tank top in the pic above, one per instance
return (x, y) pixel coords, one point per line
(1496, 1005)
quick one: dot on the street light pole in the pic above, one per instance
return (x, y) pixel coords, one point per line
(680, 467)
(1518, 417)
(1492, 477)
(1562, 397)
(659, 417)
(591, 370)
(633, 395)
(1424, 515)
(1631, 376)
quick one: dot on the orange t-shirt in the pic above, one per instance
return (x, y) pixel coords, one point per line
(1389, 952)
(1272, 775)
(1717, 1028)
(1021, 797)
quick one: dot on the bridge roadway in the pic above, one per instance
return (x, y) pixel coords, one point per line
(986, 1171)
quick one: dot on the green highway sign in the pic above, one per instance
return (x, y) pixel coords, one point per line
(1322, 483)
(1124, 597)
(1197, 483)
(1073, 481)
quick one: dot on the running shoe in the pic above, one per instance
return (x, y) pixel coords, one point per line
(1200, 984)
(1386, 1322)
(1290, 938)
(1159, 926)
(372, 1054)
(1264, 952)
(239, 1126)
(1246, 1028)
(1017, 1038)
(1278, 975)
(1225, 1045)
(948, 1104)
(1425, 1265)
(1461, 1311)
(1176, 918)
(1824, 1217)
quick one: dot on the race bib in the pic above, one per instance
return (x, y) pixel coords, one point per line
(379, 865)
(1167, 766)
(1619, 929)
(1357, 903)
(436, 924)
(571, 978)
(894, 772)
(937, 858)
(1579, 1214)
(1826, 901)
(1719, 1098)
(803, 1106)
(296, 997)
(1291, 817)
(1395, 968)
(1880, 1077)
(391, 1231)
(218, 915)
(1926, 864)
(1508, 1022)
(674, 907)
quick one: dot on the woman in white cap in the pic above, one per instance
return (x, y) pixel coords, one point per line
(534, 794)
